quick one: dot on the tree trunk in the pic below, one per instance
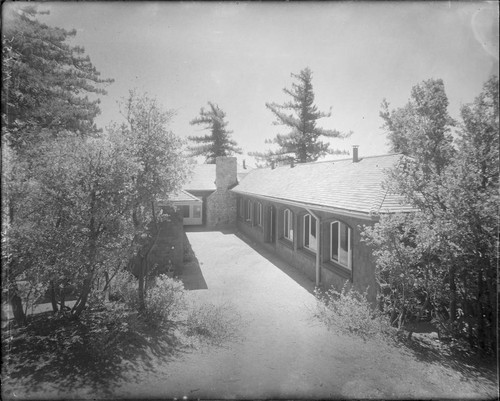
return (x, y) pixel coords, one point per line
(82, 300)
(17, 309)
(53, 299)
(140, 289)
(480, 318)
(453, 294)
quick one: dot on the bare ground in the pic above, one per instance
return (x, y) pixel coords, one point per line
(281, 351)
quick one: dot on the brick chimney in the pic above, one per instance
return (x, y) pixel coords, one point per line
(225, 172)
(355, 157)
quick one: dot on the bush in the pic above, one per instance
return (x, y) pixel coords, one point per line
(109, 327)
(215, 324)
(350, 312)
(165, 302)
(124, 289)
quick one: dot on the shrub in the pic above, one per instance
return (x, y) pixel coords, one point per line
(165, 302)
(213, 323)
(351, 313)
(108, 328)
(124, 289)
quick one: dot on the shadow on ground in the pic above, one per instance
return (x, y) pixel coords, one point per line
(471, 365)
(68, 355)
(295, 274)
(191, 275)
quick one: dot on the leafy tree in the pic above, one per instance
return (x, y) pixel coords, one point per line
(444, 255)
(219, 142)
(74, 218)
(302, 143)
(421, 128)
(45, 80)
(147, 140)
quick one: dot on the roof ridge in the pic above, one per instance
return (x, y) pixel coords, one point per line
(330, 161)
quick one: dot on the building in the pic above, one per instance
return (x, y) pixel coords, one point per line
(205, 199)
(311, 215)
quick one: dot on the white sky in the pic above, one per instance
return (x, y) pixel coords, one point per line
(240, 56)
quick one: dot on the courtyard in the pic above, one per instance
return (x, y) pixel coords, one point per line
(281, 351)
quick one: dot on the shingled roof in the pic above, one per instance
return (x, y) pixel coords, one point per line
(179, 197)
(203, 177)
(339, 185)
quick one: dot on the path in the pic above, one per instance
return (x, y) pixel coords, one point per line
(283, 352)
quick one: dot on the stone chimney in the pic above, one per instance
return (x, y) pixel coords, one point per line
(355, 157)
(225, 172)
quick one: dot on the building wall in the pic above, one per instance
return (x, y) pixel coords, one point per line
(203, 195)
(362, 275)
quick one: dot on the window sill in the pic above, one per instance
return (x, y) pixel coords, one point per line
(308, 253)
(338, 269)
(286, 242)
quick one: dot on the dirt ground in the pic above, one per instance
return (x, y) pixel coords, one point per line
(281, 351)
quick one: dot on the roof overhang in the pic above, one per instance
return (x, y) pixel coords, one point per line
(328, 209)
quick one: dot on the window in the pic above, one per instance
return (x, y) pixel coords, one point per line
(310, 232)
(185, 210)
(241, 208)
(288, 224)
(197, 211)
(341, 239)
(248, 214)
(258, 214)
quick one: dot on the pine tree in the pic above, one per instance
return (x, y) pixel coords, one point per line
(45, 80)
(219, 142)
(301, 144)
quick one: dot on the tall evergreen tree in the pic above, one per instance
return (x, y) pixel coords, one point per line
(302, 143)
(45, 80)
(219, 142)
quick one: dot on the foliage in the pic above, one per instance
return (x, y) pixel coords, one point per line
(443, 258)
(219, 142)
(84, 203)
(302, 143)
(74, 218)
(147, 141)
(408, 271)
(215, 324)
(45, 80)
(421, 128)
(351, 313)
(124, 289)
(165, 303)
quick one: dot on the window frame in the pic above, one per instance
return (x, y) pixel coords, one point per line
(259, 214)
(338, 245)
(249, 211)
(310, 233)
(288, 219)
(241, 210)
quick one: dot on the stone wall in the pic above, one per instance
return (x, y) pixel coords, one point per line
(221, 205)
